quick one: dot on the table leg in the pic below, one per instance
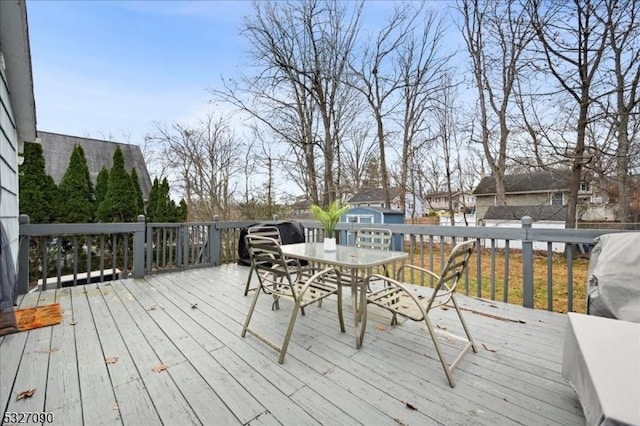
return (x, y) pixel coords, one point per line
(359, 305)
(356, 310)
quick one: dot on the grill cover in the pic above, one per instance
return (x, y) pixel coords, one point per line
(613, 280)
(290, 233)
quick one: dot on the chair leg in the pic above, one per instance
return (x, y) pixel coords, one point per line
(443, 361)
(287, 337)
(246, 286)
(340, 317)
(464, 325)
(250, 313)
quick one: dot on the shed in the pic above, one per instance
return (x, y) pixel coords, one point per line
(371, 216)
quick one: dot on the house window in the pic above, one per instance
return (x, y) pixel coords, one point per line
(585, 187)
(557, 199)
(356, 218)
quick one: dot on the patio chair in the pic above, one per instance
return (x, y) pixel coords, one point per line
(283, 280)
(374, 238)
(263, 231)
(401, 299)
(377, 239)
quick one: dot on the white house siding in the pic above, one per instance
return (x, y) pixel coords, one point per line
(459, 219)
(8, 167)
(517, 244)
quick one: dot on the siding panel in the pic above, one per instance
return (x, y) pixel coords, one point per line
(8, 168)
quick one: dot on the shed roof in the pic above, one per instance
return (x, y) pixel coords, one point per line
(544, 180)
(537, 213)
(370, 195)
(377, 209)
(57, 151)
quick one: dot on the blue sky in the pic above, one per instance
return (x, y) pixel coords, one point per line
(110, 69)
(105, 69)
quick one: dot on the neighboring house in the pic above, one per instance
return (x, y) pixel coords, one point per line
(438, 202)
(57, 151)
(17, 115)
(374, 197)
(541, 188)
(546, 188)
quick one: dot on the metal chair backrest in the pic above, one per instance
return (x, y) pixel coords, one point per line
(450, 276)
(266, 231)
(265, 253)
(374, 238)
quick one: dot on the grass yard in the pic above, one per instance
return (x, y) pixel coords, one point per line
(496, 287)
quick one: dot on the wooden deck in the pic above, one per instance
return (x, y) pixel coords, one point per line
(97, 366)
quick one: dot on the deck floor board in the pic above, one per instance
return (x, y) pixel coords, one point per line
(190, 322)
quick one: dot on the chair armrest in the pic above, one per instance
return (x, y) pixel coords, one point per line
(318, 276)
(417, 268)
(391, 283)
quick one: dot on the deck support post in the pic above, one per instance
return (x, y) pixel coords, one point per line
(138, 248)
(527, 263)
(215, 242)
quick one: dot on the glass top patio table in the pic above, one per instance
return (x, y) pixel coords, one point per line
(353, 258)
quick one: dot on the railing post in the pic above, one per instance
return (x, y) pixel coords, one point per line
(23, 257)
(215, 242)
(527, 263)
(138, 248)
(186, 247)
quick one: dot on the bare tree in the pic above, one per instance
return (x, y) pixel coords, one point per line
(573, 37)
(377, 80)
(301, 51)
(623, 19)
(422, 66)
(205, 160)
(358, 153)
(496, 35)
(447, 139)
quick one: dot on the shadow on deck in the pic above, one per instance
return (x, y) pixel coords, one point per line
(167, 349)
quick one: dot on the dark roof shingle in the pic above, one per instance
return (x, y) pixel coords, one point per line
(526, 182)
(537, 213)
(371, 195)
(57, 151)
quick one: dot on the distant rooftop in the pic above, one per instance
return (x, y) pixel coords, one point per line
(537, 213)
(57, 151)
(544, 180)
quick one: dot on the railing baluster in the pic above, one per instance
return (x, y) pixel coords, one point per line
(114, 256)
(45, 261)
(549, 276)
(569, 249)
(102, 255)
(493, 269)
(125, 270)
(505, 291)
(58, 263)
(431, 259)
(89, 250)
